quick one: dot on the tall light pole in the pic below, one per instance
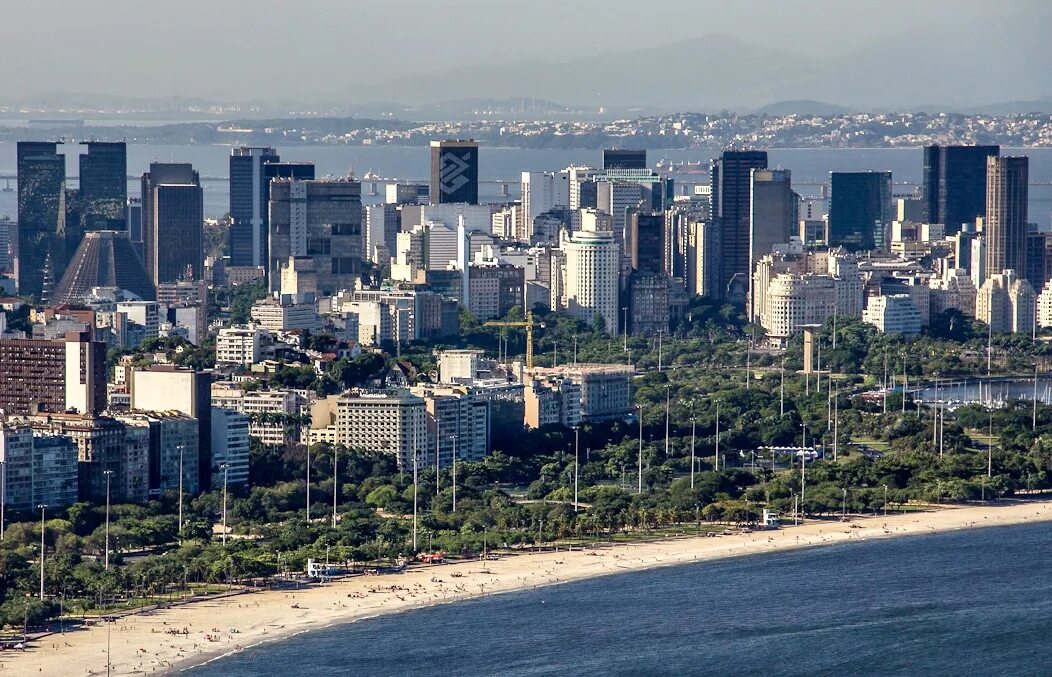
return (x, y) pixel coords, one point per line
(717, 435)
(836, 420)
(781, 391)
(416, 454)
(3, 495)
(668, 411)
(180, 492)
(42, 507)
(226, 468)
(639, 476)
(454, 472)
(693, 431)
(659, 349)
(307, 449)
(336, 480)
(108, 473)
(576, 463)
(438, 444)
(1035, 395)
(624, 311)
(885, 500)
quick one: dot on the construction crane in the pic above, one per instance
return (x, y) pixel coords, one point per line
(529, 324)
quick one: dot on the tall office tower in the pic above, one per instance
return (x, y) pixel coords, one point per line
(7, 229)
(541, 193)
(772, 217)
(455, 171)
(1005, 223)
(321, 220)
(592, 272)
(103, 186)
(860, 210)
(731, 209)
(620, 158)
(105, 258)
(248, 204)
(133, 217)
(41, 214)
(53, 375)
(645, 241)
(172, 222)
(954, 184)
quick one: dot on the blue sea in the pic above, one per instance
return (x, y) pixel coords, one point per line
(967, 602)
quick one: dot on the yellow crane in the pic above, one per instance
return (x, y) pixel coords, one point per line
(528, 324)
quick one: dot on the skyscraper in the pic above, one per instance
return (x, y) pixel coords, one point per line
(954, 187)
(455, 171)
(248, 204)
(41, 213)
(772, 216)
(860, 210)
(103, 186)
(620, 158)
(173, 222)
(731, 211)
(592, 271)
(321, 220)
(1006, 211)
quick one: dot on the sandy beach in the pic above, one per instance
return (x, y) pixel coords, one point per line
(176, 638)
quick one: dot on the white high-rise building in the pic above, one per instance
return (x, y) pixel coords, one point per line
(893, 314)
(794, 300)
(393, 422)
(1006, 303)
(592, 270)
(541, 192)
(1044, 306)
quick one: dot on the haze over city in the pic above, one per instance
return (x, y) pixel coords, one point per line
(678, 55)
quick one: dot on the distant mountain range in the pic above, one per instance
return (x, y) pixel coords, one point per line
(992, 69)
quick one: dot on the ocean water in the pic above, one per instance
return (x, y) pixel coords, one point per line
(810, 166)
(966, 602)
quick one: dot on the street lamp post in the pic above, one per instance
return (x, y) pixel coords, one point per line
(416, 454)
(624, 310)
(336, 480)
(106, 557)
(308, 485)
(885, 500)
(693, 431)
(576, 464)
(3, 495)
(42, 507)
(226, 468)
(639, 476)
(668, 412)
(181, 447)
(454, 472)
(717, 436)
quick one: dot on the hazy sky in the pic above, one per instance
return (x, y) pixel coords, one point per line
(238, 49)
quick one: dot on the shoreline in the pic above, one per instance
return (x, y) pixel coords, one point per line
(215, 628)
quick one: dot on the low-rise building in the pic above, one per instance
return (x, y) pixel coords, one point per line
(239, 346)
(893, 313)
(393, 422)
(606, 389)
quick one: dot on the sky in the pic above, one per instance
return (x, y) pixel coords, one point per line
(263, 49)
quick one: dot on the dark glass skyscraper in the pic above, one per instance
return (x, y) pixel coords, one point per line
(619, 158)
(731, 210)
(41, 213)
(103, 186)
(248, 205)
(954, 184)
(860, 212)
(173, 222)
(455, 171)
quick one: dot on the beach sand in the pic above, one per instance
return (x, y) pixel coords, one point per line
(143, 644)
